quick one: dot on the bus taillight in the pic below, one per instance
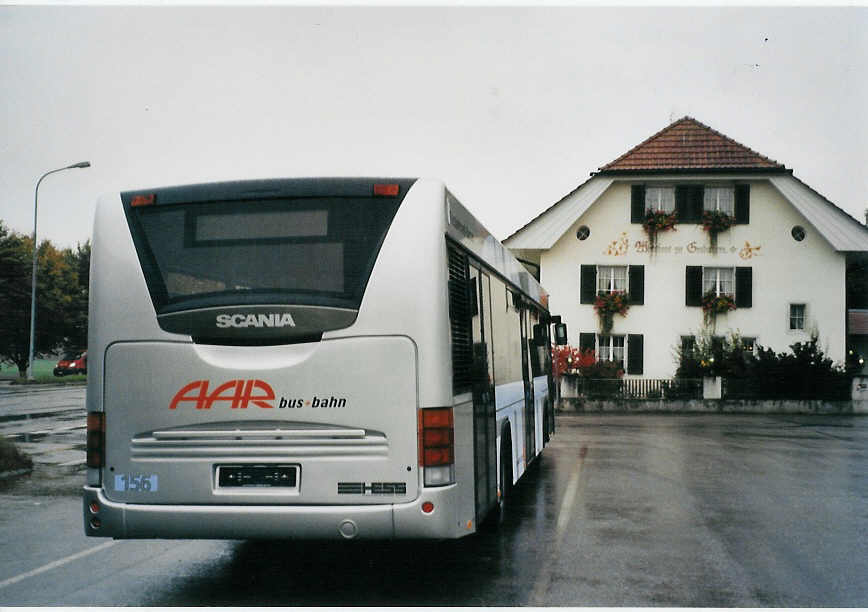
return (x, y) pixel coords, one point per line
(144, 199)
(95, 439)
(386, 189)
(437, 446)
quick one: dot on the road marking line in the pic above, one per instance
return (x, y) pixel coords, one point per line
(565, 512)
(55, 564)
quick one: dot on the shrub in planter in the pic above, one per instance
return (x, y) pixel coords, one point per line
(568, 360)
(602, 379)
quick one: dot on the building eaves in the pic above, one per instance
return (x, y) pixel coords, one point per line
(548, 227)
(841, 231)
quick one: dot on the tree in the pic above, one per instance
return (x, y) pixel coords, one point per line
(79, 261)
(59, 297)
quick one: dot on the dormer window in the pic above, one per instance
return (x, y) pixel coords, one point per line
(660, 199)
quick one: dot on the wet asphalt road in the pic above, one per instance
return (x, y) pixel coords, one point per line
(622, 511)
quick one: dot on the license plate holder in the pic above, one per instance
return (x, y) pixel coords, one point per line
(258, 476)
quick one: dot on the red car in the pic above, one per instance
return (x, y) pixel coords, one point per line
(72, 363)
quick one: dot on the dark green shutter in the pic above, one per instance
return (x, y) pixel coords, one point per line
(587, 341)
(743, 287)
(588, 284)
(635, 353)
(681, 201)
(693, 286)
(637, 204)
(637, 285)
(695, 197)
(742, 204)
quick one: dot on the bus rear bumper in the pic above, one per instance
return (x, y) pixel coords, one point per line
(106, 518)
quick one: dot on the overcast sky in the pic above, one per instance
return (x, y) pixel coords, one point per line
(511, 107)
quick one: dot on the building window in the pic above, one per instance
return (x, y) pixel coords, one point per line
(660, 198)
(721, 199)
(720, 281)
(610, 348)
(611, 278)
(797, 316)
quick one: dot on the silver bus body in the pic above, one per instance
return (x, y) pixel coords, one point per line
(209, 418)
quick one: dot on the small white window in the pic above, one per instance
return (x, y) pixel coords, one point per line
(797, 316)
(721, 281)
(611, 348)
(660, 199)
(611, 278)
(720, 199)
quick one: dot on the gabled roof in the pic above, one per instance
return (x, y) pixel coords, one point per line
(549, 226)
(688, 144)
(841, 230)
(689, 148)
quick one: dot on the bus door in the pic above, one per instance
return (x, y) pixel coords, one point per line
(484, 417)
(527, 377)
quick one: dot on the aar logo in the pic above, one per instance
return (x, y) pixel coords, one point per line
(237, 393)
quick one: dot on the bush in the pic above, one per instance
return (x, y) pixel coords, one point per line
(713, 356)
(803, 373)
(12, 459)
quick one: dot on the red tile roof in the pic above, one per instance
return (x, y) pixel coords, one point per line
(688, 144)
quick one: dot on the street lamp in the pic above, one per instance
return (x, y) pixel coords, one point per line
(84, 164)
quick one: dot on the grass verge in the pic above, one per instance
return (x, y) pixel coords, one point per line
(52, 380)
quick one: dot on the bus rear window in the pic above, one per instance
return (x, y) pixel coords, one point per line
(313, 251)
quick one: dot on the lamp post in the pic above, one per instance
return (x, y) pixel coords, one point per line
(84, 164)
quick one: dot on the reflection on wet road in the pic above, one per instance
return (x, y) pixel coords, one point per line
(622, 510)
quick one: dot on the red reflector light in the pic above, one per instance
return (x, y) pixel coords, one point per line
(436, 417)
(144, 199)
(382, 189)
(427, 507)
(436, 437)
(95, 439)
(94, 507)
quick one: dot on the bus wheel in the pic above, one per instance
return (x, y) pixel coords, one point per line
(506, 477)
(498, 513)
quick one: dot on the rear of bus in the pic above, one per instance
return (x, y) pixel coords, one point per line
(257, 349)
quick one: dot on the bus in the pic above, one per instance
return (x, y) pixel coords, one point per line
(331, 358)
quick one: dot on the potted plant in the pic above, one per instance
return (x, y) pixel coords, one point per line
(657, 221)
(714, 222)
(607, 305)
(713, 305)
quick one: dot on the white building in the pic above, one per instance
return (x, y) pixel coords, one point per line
(783, 263)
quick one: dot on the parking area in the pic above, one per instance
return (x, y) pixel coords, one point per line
(622, 510)
(708, 510)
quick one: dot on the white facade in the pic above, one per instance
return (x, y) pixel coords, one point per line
(784, 272)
